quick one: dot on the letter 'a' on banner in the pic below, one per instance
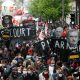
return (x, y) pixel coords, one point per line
(58, 43)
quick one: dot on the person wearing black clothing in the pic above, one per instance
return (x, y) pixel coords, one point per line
(35, 75)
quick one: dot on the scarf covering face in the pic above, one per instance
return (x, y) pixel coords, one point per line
(46, 75)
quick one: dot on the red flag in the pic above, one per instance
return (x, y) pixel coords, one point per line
(46, 29)
(41, 35)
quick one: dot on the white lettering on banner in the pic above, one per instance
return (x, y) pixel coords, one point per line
(62, 44)
(14, 30)
(23, 32)
(57, 44)
(28, 31)
(47, 42)
(18, 32)
(43, 45)
(78, 49)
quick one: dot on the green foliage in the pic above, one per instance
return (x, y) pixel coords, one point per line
(49, 9)
(0, 3)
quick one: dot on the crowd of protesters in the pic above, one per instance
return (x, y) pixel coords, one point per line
(24, 63)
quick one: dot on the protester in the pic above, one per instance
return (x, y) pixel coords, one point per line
(65, 31)
(44, 75)
(25, 62)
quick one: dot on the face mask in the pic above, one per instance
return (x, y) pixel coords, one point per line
(24, 72)
(77, 78)
(29, 72)
(1, 65)
(63, 66)
(60, 75)
(75, 72)
(46, 75)
(5, 69)
(52, 64)
(51, 69)
(19, 71)
(45, 72)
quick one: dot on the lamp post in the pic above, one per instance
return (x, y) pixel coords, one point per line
(78, 5)
(76, 13)
(62, 13)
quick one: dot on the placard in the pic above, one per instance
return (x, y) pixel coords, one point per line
(5, 35)
(42, 45)
(18, 32)
(58, 43)
(74, 56)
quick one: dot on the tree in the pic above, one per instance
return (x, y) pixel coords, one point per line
(49, 9)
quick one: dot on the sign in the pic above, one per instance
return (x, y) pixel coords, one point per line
(73, 56)
(52, 43)
(58, 43)
(24, 32)
(6, 5)
(42, 46)
(5, 35)
(76, 48)
(28, 23)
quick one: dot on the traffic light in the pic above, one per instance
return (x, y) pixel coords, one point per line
(72, 19)
(7, 21)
